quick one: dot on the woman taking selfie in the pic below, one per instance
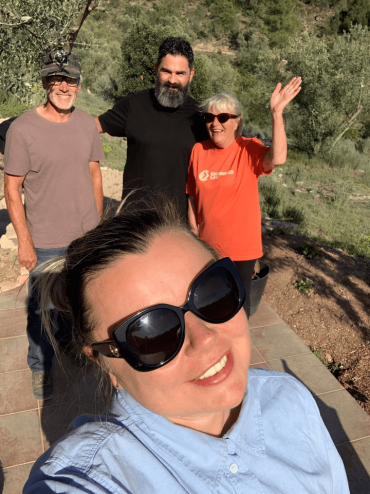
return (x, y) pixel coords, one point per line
(161, 315)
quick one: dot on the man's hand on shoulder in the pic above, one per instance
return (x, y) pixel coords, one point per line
(27, 255)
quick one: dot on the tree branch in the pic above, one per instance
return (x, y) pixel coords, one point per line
(347, 126)
(85, 11)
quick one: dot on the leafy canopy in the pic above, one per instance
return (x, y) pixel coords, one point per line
(28, 29)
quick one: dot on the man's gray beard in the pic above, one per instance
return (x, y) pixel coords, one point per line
(168, 98)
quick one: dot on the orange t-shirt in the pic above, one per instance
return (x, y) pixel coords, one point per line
(224, 183)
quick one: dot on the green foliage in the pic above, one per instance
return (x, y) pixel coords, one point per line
(335, 89)
(355, 12)
(345, 155)
(309, 250)
(29, 28)
(364, 247)
(224, 16)
(258, 66)
(91, 103)
(139, 53)
(12, 107)
(106, 148)
(281, 19)
(271, 197)
(115, 150)
(213, 75)
(304, 286)
(295, 212)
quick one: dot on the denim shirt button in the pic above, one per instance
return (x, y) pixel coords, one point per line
(233, 468)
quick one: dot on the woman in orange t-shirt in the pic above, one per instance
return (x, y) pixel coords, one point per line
(222, 184)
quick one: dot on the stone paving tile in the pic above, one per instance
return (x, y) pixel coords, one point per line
(309, 370)
(356, 459)
(15, 478)
(261, 365)
(256, 357)
(14, 299)
(13, 322)
(277, 341)
(345, 419)
(20, 438)
(16, 392)
(13, 354)
(265, 316)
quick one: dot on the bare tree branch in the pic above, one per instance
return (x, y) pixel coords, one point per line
(89, 7)
(347, 126)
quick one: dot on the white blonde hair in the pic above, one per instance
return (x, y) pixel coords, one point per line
(224, 102)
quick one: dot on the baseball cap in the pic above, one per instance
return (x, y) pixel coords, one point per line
(59, 62)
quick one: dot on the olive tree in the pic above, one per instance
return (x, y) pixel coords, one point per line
(336, 87)
(28, 28)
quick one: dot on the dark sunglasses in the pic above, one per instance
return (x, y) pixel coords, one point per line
(221, 117)
(154, 336)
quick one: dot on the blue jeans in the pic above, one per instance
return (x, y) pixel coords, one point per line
(40, 351)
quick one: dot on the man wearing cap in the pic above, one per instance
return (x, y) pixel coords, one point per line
(161, 124)
(54, 151)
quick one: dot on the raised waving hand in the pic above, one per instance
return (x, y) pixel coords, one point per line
(283, 95)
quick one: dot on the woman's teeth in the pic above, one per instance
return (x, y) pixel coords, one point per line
(216, 368)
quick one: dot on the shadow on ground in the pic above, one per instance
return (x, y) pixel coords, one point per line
(358, 478)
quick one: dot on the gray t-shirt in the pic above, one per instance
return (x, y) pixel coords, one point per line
(54, 158)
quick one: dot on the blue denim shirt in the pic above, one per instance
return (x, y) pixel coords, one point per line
(279, 445)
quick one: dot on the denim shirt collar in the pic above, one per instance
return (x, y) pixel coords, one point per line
(189, 446)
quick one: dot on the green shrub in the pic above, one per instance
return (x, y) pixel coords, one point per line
(345, 155)
(364, 247)
(213, 74)
(304, 286)
(296, 213)
(270, 197)
(224, 16)
(309, 250)
(12, 107)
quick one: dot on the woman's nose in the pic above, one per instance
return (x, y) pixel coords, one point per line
(199, 337)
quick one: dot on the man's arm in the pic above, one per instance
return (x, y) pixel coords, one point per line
(192, 214)
(277, 154)
(13, 196)
(98, 124)
(97, 181)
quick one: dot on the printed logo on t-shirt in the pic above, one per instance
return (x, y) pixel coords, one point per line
(204, 175)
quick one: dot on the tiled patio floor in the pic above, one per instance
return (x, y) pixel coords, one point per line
(29, 427)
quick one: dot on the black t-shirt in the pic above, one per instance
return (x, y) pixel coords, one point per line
(159, 142)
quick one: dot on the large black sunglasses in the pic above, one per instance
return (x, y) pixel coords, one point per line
(221, 117)
(154, 336)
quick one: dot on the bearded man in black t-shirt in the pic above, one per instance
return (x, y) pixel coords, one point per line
(161, 125)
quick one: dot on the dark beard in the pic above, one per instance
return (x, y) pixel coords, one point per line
(168, 98)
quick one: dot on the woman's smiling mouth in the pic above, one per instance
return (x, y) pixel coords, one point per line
(215, 369)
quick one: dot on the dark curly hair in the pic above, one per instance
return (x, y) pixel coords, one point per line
(176, 46)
